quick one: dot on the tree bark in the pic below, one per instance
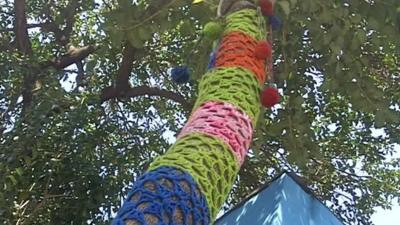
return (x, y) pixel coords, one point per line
(122, 81)
(21, 28)
(113, 92)
(70, 58)
(24, 46)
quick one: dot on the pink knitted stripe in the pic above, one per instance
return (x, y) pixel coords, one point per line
(224, 121)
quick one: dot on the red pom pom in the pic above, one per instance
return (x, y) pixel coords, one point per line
(263, 50)
(267, 7)
(270, 97)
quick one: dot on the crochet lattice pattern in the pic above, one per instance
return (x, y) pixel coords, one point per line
(163, 196)
(190, 182)
(246, 21)
(237, 86)
(224, 121)
(209, 161)
(238, 49)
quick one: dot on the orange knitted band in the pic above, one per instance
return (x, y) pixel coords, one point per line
(237, 49)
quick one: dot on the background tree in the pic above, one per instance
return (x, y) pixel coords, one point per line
(85, 96)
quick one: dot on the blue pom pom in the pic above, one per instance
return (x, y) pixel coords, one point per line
(180, 74)
(212, 61)
(275, 22)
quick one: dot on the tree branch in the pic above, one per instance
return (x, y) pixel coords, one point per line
(21, 28)
(72, 57)
(81, 75)
(122, 81)
(111, 92)
(25, 47)
(122, 87)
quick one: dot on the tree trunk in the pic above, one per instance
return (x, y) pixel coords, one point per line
(189, 184)
(25, 48)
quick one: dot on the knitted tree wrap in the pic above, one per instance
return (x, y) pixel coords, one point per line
(209, 161)
(224, 121)
(235, 85)
(190, 182)
(246, 21)
(165, 195)
(237, 49)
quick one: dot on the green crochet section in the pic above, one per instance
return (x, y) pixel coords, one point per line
(209, 161)
(234, 85)
(246, 21)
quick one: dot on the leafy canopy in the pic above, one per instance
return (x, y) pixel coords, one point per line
(75, 133)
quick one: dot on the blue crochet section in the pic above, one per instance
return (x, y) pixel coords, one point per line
(212, 60)
(165, 196)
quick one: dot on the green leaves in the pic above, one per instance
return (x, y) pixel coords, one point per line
(135, 39)
(136, 25)
(386, 117)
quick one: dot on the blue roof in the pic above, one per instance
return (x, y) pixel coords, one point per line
(285, 201)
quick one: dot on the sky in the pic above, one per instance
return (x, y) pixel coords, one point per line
(387, 217)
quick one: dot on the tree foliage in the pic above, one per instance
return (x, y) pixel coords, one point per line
(86, 102)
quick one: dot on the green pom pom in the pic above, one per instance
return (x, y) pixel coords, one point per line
(213, 30)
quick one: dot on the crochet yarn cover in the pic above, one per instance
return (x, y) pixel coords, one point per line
(225, 121)
(191, 181)
(164, 196)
